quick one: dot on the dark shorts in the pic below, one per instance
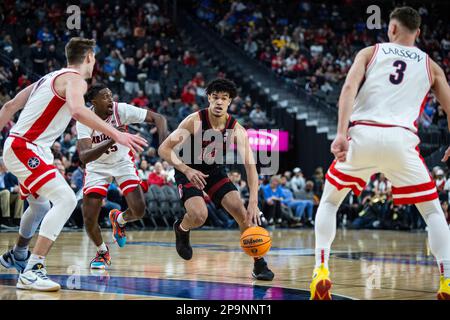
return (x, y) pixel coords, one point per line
(217, 186)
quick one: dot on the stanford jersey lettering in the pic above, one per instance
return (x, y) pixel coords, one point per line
(403, 53)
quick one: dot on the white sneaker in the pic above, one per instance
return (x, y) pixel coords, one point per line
(36, 279)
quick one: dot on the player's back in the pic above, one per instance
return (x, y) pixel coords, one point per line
(396, 84)
(45, 115)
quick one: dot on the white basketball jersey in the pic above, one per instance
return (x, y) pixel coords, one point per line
(123, 114)
(395, 88)
(45, 115)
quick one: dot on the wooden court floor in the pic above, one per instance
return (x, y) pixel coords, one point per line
(364, 265)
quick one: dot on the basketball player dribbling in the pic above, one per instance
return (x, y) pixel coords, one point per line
(205, 171)
(382, 98)
(48, 106)
(105, 161)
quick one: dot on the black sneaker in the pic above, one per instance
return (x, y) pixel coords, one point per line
(261, 271)
(183, 245)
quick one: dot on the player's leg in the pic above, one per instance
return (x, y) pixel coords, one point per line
(92, 204)
(195, 216)
(58, 192)
(31, 218)
(130, 184)
(412, 184)
(231, 201)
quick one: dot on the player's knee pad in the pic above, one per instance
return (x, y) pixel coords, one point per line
(33, 216)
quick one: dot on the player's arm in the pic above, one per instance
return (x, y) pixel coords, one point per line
(246, 154)
(441, 90)
(177, 138)
(75, 89)
(160, 122)
(354, 78)
(15, 104)
(88, 154)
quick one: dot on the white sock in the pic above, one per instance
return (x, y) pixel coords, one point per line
(121, 220)
(322, 256)
(438, 234)
(34, 259)
(20, 253)
(102, 248)
(325, 224)
(444, 268)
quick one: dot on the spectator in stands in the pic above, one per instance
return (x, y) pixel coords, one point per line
(297, 183)
(67, 143)
(189, 60)
(141, 100)
(170, 172)
(258, 117)
(77, 178)
(9, 196)
(312, 86)
(151, 156)
(301, 208)
(273, 195)
(129, 72)
(39, 58)
(144, 171)
(152, 86)
(157, 176)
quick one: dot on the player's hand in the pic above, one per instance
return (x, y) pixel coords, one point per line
(446, 155)
(253, 214)
(197, 178)
(135, 143)
(339, 148)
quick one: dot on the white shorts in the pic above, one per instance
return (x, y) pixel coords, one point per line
(31, 164)
(97, 180)
(390, 150)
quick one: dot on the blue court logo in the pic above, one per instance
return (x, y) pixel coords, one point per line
(34, 162)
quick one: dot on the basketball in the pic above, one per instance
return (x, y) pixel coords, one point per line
(256, 241)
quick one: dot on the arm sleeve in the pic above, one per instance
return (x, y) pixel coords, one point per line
(129, 114)
(83, 131)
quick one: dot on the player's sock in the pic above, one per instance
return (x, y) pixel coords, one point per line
(438, 233)
(34, 259)
(325, 224)
(120, 220)
(102, 248)
(322, 256)
(20, 253)
(444, 268)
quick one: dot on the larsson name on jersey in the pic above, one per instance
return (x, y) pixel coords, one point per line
(403, 53)
(100, 138)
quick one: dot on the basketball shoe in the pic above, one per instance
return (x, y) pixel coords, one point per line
(183, 245)
(118, 231)
(261, 271)
(101, 261)
(36, 279)
(8, 260)
(321, 284)
(444, 289)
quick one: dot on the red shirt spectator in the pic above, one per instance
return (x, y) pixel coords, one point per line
(157, 177)
(189, 60)
(141, 100)
(188, 95)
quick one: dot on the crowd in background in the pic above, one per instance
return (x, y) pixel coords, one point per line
(141, 55)
(313, 43)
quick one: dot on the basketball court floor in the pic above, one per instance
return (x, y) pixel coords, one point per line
(364, 265)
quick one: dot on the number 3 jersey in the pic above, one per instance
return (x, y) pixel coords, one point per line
(396, 84)
(123, 114)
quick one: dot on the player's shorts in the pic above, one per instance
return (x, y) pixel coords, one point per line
(394, 151)
(217, 186)
(124, 172)
(30, 163)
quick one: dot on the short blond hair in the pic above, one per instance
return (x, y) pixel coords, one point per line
(77, 49)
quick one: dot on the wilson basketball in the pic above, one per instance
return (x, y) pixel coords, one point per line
(256, 241)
